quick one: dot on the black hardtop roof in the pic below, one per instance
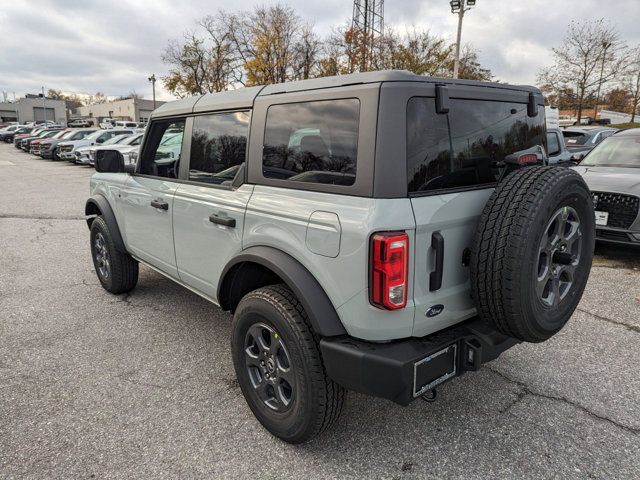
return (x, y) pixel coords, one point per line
(244, 97)
(381, 76)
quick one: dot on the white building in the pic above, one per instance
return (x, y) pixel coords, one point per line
(33, 108)
(133, 109)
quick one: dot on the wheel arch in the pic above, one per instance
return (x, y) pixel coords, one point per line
(99, 205)
(259, 266)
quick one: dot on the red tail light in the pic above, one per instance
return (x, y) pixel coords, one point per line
(389, 270)
(527, 159)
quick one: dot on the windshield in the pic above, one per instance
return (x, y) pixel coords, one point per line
(61, 134)
(116, 139)
(132, 140)
(78, 135)
(94, 135)
(615, 152)
(172, 140)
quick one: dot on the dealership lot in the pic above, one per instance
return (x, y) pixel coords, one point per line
(142, 385)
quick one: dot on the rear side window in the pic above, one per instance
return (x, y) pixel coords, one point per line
(218, 147)
(466, 148)
(315, 142)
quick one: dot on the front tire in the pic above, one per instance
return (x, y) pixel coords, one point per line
(117, 271)
(279, 366)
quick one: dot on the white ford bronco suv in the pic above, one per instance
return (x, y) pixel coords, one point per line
(381, 232)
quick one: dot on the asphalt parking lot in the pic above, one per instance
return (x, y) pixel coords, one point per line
(142, 386)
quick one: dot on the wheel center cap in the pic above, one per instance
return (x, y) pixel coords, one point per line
(271, 366)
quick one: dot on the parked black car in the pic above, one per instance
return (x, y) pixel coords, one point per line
(7, 136)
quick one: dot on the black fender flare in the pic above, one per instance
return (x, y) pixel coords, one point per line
(321, 312)
(99, 202)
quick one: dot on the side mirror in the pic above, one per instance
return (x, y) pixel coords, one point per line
(576, 158)
(109, 161)
(100, 140)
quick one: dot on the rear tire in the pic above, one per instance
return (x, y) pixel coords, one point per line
(279, 366)
(117, 271)
(532, 252)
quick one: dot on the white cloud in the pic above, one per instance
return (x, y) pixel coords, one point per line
(98, 45)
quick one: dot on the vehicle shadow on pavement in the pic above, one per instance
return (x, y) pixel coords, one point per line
(617, 256)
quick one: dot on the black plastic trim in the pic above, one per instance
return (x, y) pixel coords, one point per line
(322, 314)
(435, 277)
(386, 370)
(100, 201)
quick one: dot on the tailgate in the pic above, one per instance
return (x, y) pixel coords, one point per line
(446, 223)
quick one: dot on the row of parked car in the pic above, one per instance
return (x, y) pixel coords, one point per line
(77, 145)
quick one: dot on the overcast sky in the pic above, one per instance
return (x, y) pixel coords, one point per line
(113, 46)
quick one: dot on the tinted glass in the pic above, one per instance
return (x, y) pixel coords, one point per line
(218, 146)
(575, 138)
(313, 142)
(552, 143)
(615, 152)
(161, 155)
(467, 146)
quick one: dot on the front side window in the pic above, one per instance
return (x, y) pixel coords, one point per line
(466, 147)
(161, 154)
(315, 142)
(218, 147)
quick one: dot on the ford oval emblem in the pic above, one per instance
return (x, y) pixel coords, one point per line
(435, 310)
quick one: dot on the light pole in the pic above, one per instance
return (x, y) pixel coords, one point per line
(152, 79)
(459, 7)
(605, 46)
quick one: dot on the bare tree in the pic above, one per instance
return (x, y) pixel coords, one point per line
(632, 80)
(203, 62)
(591, 55)
(265, 40)
(306, 54)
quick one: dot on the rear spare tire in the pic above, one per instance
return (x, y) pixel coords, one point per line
(532, 252)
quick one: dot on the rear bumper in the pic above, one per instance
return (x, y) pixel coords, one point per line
(388, 370)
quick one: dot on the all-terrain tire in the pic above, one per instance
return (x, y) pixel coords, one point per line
(117, 271)
(317, 401)
(520, 235)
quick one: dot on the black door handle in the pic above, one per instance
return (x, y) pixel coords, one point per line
(160, 204)
(226, 221)
(435, 277)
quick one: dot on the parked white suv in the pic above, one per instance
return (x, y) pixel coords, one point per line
(66, 150)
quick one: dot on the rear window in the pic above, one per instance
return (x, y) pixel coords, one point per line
(466, 148)
(315, 142)
(575, 138)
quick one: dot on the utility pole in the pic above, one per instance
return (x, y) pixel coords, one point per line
(459, 7)
(15, 105)
(605, 46)
(44, 106)
(152, 79)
